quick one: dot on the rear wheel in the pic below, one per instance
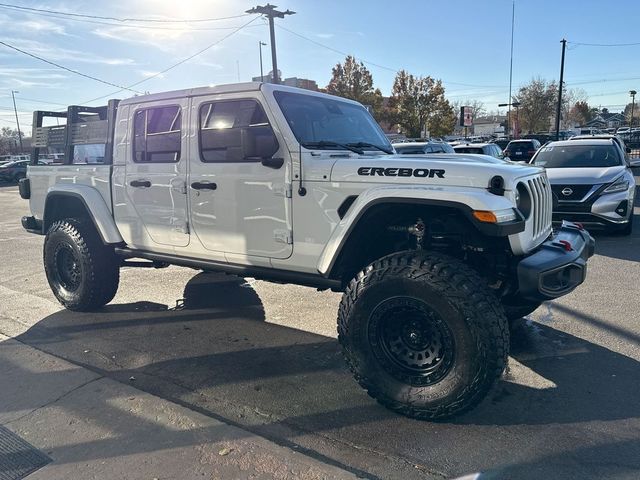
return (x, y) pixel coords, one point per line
(423, 334)
(83, 273)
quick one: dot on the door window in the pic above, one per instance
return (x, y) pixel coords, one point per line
(156, 135)
(235, 131)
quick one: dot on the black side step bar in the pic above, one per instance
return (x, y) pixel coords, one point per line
(260, 273)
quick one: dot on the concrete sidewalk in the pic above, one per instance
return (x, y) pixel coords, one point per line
(94, 427)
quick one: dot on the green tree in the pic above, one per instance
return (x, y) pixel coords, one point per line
(538, 100)
(354, 81)
(417, 103)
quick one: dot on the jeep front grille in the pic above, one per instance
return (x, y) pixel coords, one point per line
(542, 203)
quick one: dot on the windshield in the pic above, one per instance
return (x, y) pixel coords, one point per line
(318, 119)
(576, 156)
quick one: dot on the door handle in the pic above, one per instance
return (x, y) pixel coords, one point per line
(273, 162)
(204, 186)
(140, 183)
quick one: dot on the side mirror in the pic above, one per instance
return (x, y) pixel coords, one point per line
(258, 143)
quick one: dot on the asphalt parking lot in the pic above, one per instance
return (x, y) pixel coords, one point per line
(263, 357)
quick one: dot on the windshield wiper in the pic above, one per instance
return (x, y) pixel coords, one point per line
(325, 143)
(371, 145)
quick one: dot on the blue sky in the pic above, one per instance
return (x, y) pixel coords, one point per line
(465, 43)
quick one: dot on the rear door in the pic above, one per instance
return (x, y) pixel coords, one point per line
(156, 172)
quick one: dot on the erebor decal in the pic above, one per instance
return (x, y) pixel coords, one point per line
(401, 172)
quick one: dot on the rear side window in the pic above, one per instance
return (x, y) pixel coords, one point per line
(157, 135)
(235, 131)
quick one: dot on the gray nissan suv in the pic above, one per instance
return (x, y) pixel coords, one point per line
(591, 181)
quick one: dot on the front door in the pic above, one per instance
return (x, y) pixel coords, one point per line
(238, 182)
(156, 173)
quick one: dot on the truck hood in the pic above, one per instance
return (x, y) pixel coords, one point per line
(584, 176)
(465, 170)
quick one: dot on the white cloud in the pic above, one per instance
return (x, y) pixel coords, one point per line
(149, 73)
(165, 40)
(42, 26)
(55, 53)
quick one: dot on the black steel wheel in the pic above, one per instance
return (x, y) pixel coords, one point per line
(423, 334)
(68, 271)
(411, 341)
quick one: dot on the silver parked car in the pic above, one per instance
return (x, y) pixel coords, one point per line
(592, 181)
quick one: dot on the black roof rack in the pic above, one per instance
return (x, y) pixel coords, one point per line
(84, 126)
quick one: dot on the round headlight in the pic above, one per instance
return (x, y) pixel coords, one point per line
(523, 200)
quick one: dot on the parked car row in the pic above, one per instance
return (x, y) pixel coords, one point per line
(590, 175)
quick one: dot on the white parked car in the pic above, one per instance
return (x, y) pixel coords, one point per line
(592, 181)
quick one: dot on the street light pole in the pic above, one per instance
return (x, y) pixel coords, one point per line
(13, 92)
(633, 102)
(559, 108)
(260, 45)
(270, 12)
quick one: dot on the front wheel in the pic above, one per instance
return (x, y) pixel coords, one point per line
(423, 334)
(83, 273)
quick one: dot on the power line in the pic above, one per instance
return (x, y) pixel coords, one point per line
(605, 44)
(155, 20)
(45, 102)
(186, 28)
(66, 68)
(12, 122)
(368, 62)
(199, 52)
(175, 64)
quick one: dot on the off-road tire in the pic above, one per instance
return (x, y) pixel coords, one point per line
(83, 272)
(462, 303)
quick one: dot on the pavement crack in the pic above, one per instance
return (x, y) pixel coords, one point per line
(52, 402)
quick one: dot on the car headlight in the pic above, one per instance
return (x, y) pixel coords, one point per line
(523, 200)
(620, 185)
(496, 216)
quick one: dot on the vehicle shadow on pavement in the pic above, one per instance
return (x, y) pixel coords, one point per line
(215, 354)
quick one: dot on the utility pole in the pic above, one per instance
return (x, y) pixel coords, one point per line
(513, 16)
(559, 109)
(260, 45)
(13, 92)
(270, 12)
(633, 101)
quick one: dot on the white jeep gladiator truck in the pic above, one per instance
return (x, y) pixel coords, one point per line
(433, 253)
